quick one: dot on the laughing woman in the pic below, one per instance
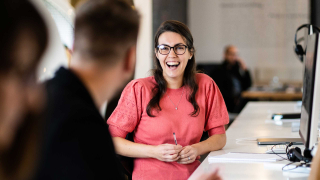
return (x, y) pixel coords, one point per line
(176, 100)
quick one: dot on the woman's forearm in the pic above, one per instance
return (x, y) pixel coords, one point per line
(162, 152)
(213, 143)
(131, 149)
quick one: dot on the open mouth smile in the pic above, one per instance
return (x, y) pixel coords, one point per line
(172, 65)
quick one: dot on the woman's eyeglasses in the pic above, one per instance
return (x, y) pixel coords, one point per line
(179, 49)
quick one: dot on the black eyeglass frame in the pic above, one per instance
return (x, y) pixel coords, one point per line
(173, 49)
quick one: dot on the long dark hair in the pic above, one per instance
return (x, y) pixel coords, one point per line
(189, 78)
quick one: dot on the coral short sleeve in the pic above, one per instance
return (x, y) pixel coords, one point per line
(127, 114)
(216, 111)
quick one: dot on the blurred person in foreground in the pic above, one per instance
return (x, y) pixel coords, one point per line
(77, 141)
(315, 167)
(232, 77)
(23, 39)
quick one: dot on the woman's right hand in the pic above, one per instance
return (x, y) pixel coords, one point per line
(167, 152)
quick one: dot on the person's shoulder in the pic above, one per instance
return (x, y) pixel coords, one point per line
(203, 79)
(70, 107)
(63, 103)
(51, 84)
(205, 82)
(147, 82)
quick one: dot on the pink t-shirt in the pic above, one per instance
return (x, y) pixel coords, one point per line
(130, 115)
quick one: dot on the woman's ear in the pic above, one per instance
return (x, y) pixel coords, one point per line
(191, 53)
(155, 52)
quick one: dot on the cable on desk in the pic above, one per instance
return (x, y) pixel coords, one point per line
(278, 153)
(283, 168)
(291, 168)
(299, 165)
(247, 139)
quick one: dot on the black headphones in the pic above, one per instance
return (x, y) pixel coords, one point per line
(298, 48)
(294, 154)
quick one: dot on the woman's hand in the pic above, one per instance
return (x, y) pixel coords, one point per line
(167, 152)
(188, 155)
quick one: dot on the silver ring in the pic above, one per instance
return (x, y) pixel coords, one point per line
(189, 158)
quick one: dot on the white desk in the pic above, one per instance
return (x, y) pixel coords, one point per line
(253, 122)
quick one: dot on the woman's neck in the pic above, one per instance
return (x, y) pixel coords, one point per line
(174, 83)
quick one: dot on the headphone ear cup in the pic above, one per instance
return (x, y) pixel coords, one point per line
(299, 50)
(291, 156)
(298, 150)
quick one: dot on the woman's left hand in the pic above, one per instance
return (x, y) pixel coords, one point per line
(188, 155)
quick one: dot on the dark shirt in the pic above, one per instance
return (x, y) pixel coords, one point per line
(241, 78)
(77, 143)
(231, 80)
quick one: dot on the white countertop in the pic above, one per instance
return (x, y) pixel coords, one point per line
(254, 122)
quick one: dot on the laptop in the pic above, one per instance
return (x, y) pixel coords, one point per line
(274, 141)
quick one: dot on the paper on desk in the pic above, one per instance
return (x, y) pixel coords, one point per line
(244, 157)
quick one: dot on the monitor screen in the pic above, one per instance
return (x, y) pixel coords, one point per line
(308, 89)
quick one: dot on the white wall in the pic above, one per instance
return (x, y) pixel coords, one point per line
(144, 46)
(55, 55)
(262, 30)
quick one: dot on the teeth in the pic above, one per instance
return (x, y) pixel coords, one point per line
(173, 63)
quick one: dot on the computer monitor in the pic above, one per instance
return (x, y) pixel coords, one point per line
(310, 109)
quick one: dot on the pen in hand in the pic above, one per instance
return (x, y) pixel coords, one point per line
(175, 139)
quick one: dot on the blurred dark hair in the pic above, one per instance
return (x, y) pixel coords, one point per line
(189, 78)
(105, 29)
(17, 17)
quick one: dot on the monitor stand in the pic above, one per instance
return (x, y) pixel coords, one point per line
(275, 141)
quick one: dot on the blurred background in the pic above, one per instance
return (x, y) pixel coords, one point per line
(261, 31)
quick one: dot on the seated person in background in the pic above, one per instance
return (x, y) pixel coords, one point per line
(232, 78)
(77, 143)
(175, 99)
(23, 37)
